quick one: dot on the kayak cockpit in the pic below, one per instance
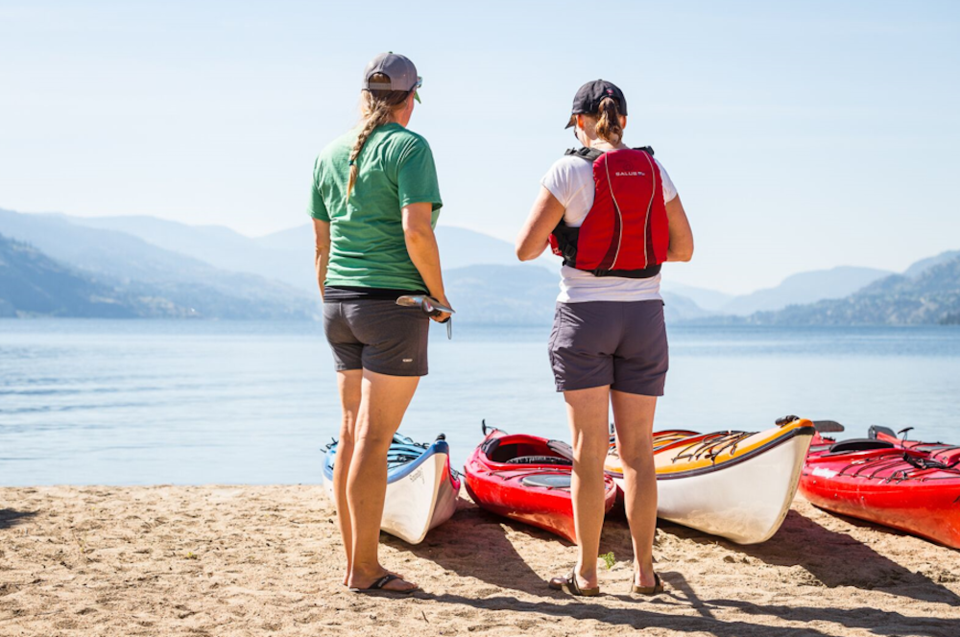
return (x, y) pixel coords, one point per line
(524, 450)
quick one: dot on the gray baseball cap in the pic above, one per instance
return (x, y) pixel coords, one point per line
(401, 71)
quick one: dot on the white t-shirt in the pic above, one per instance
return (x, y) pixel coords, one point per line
(570, 180)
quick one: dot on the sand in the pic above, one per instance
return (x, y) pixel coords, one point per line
(265, 560)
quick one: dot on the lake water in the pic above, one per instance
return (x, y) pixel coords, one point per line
(148, 402)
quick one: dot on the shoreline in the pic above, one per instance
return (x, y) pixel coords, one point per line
(239, 560)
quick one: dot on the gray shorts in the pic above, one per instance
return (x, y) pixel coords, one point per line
(380, 336)
(621, 344)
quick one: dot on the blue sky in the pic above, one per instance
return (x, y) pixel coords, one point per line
(800, 136)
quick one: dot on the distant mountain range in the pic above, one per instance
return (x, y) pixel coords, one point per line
(928, 293)
(144, 266)
(137, 269)
(806, 287)
(286, 256)
(523, 295)
(32, 284)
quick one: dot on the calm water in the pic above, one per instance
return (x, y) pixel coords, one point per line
(142, 402)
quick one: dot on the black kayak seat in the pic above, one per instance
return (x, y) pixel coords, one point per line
(539, 460)
(859, 444)
(548, 480)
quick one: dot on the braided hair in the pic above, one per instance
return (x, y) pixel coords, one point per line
(376, 107)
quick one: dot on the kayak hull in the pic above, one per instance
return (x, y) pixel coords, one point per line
(745, 503)
(881, 486)
(421, 494)
(505, 489)
(742, 495)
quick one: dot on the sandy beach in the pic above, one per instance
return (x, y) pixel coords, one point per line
(255, 560)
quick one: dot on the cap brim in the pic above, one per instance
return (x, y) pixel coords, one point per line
(572, 122)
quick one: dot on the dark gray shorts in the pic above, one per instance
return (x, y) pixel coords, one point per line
(621, 344)
(380, 336)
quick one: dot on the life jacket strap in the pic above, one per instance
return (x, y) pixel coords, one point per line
(592, 154)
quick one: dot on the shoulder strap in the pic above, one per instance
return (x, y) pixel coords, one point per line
(590, 154)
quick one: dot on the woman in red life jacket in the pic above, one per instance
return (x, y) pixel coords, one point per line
(614, 216)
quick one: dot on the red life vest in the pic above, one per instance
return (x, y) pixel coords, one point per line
(625, 233)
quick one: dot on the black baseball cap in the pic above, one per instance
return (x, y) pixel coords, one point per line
(588, 98)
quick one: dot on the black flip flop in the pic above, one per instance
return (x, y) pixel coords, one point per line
(378, 586)
(569, 586)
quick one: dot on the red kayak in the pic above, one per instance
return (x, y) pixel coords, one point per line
(939, 451)
(526, 478)
(905, 487)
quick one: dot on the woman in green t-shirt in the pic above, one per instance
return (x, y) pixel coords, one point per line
(374, 203)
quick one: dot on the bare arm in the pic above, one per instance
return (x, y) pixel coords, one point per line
(321, 234)
(681, 236)
(423, 250)
(546, 213)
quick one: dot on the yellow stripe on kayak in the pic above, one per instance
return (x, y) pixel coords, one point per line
(665, 458)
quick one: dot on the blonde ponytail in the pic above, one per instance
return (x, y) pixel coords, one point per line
(376, 107)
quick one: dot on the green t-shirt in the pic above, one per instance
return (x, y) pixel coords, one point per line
(368, 249)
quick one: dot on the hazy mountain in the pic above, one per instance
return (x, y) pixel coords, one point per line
(460, 248)
(33, 284)
(519, 295)
(923, 265)
(140, 268)
(710, 300)
(931, 297)
(805, 287)
(132, 254)
(226, 273)
(677, 308)
(287, 255)
(502, 295)
(292, 239)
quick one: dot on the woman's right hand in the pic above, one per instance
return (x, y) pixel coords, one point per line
(442, 316)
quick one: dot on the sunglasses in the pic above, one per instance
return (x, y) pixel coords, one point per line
(416, 87)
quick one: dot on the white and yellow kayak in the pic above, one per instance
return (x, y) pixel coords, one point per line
(735, 484)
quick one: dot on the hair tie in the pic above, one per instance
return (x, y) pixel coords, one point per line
(351, 162)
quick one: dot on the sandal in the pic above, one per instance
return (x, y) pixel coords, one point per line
(656, 589)
(569, 586)
(378, 586)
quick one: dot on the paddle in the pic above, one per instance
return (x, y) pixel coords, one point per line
(828, 426)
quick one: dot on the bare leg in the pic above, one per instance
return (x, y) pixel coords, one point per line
(587, 412)
(384, 400)
(633, 418)
(348, 383)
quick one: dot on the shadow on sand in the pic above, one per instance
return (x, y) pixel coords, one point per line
(474, 535)
(11, 517)
(639, 616)
(832, 559)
